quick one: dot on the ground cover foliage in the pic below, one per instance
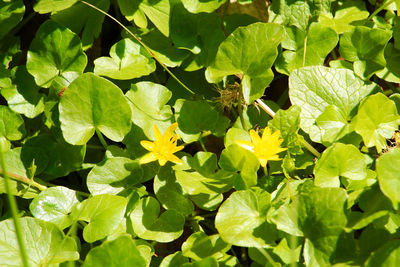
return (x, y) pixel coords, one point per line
(199, 133)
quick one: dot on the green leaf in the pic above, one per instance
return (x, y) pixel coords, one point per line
(237, 159)
(128, 60)
(386, 256)
(47, 6)
(196, 117)
(237, 55)
(197, 6)
(104, 214)
(14, 165)
(11, 14)
(241, 219)
(199, 246)
(148, 224)
(170, 193)
(288, 123)
(367, 59)
(24, 96)
(314, 88)
(207, 262)
(376, 120)
(158, 12)
(313, 213)
(54, 52)
(172, 260)
(45, 243)
(391, 72)
(11, 124)
(114, 176)
(148, 104)
(92, 103)
(121, 252)
(345, 16)
(339, 160)
(299, 13)
(387, 168)
(306, 48)
(53, 158)
(83, 20)
(54, 205)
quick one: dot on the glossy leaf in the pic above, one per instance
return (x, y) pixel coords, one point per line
(11, 14)
(199, 246)
(54, 205)
(367, 59)
(24, 97)
(113, 176)
(387, 169)
(128, 60)
(306, 48)
(83, 20)
(314, 88)
(121, 252)
(176, 259)
(44, 243)
(148, 104)
(385, 256)
(196, 117)
(376, 120)
(92, 103)
(339, 160)
(46, 6)
(148, 224)
(11, 124)
(55, 51)
(104, 214)
(197, 6)
(255, 67)
(53, 158)
(241, 219)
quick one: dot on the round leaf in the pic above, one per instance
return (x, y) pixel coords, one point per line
(54, 205)
(197, 6)
(128, 60)
(55, 51)
(44, 243)
(121, 252)
(314, 88)
(388, 169)
(339, 160)
(148, 224)
(199, 246)
(92, 103)
(104, 214)
(11, 124)
(241, 220)
(248, 51)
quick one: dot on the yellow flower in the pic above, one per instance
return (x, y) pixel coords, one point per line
(266, 147)
(163, 148)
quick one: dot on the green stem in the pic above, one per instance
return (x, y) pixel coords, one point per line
(202, 144)
(271, 113)
(305, 49)
(101, 138)
(14, 212)
(267, 256)
(383, 6)
(240, 109)
(140, 42)
(23, 179)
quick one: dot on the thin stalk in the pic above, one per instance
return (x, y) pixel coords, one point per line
(267, 256)
(240, 110)
(140, 42)
(379, 9)
(22, 179)
(14, 212)
(202, 144)
(101, 138)
(271, 113)
(305, 49)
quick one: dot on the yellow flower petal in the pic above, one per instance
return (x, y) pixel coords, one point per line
(246, 144)
(255, 138)
(149, 157)
(147, 145)
(162, 161)
(157, 133)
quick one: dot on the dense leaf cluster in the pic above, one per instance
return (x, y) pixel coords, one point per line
(79, 93)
